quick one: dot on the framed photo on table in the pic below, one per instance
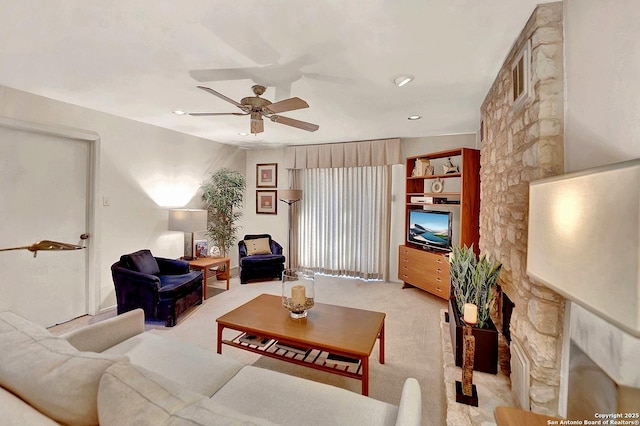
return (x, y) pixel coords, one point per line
(200, 248)
(267, 175)
(266, 202)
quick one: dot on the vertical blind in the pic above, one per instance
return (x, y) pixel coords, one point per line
(343, 222)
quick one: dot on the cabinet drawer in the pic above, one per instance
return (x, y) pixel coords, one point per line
(436, 260)
(426, 270)
(440, 289)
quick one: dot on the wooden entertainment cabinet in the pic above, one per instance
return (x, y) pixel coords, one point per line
(455, 189)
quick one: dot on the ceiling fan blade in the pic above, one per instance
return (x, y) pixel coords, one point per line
(310, 127)
(257, 126)
(287, 105)
(200, 114)
(221, 96)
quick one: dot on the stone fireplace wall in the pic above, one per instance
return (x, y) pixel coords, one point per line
(521, 143)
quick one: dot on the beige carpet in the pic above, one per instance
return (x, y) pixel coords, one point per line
(413, 341)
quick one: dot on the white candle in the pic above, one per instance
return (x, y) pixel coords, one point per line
(298, 295)
(470, 313)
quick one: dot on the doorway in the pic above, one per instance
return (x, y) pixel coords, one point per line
(46, 193)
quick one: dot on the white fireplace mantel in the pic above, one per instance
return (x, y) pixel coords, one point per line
(612, 349)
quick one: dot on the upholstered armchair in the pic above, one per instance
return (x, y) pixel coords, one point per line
(260, 258)
(163, 288)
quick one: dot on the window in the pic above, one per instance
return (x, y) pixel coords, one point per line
(343, 226)
(520, 75)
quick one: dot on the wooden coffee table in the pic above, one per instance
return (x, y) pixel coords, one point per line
(327, 329)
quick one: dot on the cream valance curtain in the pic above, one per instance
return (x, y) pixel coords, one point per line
(380, 152)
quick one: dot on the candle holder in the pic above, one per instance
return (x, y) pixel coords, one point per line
(298, 292)
(466, 392)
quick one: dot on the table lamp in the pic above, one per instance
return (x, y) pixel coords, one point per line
(584, 240)
(188, 221)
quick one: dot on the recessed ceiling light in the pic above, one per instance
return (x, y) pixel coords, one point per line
(414, 117)
(178, 112)
(401, 80)
(243, 134)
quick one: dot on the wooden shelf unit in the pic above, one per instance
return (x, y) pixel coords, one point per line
(419, 267)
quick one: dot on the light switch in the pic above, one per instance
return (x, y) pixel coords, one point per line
(105, 201)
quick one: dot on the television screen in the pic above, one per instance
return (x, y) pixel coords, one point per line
(429, 228)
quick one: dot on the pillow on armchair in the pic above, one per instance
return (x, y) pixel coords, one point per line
(143, 261)
(258, 246)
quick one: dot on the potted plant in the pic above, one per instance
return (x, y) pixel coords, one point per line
(222, 194)
(474, 280)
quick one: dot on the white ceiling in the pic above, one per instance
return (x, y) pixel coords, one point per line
(133, 59)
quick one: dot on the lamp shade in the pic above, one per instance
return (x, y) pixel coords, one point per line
(584, 240)
(290, 194)
(187, 220)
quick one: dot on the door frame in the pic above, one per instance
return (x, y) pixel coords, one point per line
(92, 267)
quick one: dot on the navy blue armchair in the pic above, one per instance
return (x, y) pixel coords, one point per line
(163, 288)
(260, 258)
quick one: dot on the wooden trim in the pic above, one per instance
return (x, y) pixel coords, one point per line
(511, 416)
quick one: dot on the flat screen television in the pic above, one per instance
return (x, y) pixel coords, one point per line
(429, 228)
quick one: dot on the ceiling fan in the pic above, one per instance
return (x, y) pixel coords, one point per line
(259, 107)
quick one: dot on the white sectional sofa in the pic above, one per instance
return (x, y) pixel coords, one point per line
(115, 373)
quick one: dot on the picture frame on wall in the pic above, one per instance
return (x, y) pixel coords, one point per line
(267, 175)
(266, 202)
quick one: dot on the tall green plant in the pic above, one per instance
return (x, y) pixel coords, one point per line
(222, 194)
(473, 281)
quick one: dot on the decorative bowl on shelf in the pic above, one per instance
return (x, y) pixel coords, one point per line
(297, 292)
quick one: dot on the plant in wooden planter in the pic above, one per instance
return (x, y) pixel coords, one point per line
(473, 281)
(222, 195)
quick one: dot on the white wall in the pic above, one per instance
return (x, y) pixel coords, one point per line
(141, 166)
(602, 66)
(602, 126)
(274, 224)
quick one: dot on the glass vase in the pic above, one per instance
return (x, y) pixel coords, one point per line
(298, 292)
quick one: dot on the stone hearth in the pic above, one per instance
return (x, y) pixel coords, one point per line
(494, 390)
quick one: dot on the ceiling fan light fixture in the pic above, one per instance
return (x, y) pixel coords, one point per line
(402, 80)
(179, 112)
(258, 107)
(414, 117)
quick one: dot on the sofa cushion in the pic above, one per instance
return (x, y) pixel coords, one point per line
(190, 366)
(16, 412)
(142, 261)
(258, 246)
(174, 286)
(132, 395)
(263, 259)
(208, 412)
(285, 401)
(49, 373)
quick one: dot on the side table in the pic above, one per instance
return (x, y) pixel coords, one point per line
(204, 263)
